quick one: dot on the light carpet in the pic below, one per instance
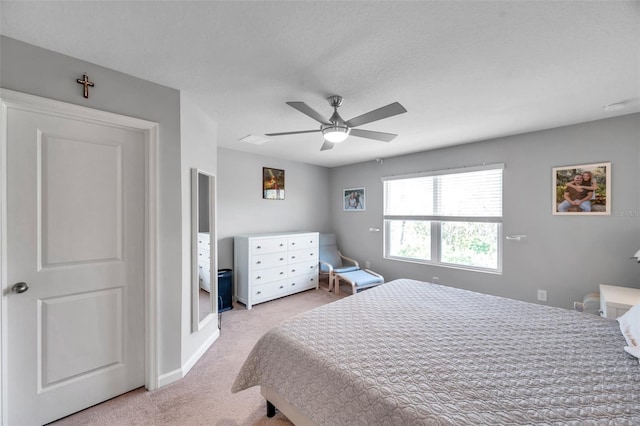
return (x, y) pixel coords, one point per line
(204, 396)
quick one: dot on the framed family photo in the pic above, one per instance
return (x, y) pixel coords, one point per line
(272, 184)
(353, 199)
(582, 189)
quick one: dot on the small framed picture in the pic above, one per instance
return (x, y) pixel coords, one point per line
(354, 199)
(272, 184)
(582, 190)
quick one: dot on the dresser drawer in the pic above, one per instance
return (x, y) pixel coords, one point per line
(616, 301)
(302, 282)
(614, 313)
(267, 245)
(204, 239)
(303, 268)
(303, 242)
(267, 275)
(204, 246)
(270, 291)
(282, 288)
(203, 255)
(268, 260)
(297, 256)
(204, 266)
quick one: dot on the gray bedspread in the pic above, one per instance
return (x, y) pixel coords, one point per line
(415, 353)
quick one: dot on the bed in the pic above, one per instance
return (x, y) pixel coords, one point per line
(412, 353)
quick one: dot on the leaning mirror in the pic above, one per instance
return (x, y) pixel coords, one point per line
(204, 278)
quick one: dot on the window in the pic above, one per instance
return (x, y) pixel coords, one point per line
(451, 218)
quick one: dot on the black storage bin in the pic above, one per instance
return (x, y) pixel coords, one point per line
(225, 290)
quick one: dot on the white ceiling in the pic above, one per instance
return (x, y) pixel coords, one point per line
(465, 70)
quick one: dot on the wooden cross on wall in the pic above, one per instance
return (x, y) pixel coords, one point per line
(85, 81)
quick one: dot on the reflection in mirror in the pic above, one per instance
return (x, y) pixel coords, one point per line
(203, 248)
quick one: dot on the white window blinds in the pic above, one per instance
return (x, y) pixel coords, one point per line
(455, 194)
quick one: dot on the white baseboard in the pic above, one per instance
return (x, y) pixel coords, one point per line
(177, 374)
(170, 377)
(198, 353)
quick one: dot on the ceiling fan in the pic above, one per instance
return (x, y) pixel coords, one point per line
(336, 130)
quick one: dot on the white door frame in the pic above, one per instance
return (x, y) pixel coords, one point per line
(11, 99)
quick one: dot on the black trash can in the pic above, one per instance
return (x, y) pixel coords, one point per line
(225, 290)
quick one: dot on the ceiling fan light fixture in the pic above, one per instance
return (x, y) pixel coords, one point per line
(336, 130)
(335, 134)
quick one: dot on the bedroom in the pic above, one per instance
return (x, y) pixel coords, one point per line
(187, 129)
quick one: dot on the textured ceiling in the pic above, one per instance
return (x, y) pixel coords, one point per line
(465, 70)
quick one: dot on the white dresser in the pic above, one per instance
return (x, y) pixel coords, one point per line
(269, 266)
(616, 301)
(204, 261)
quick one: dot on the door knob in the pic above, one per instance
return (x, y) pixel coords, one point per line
(20, 287)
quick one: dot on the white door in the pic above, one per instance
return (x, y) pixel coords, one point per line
(75, 237)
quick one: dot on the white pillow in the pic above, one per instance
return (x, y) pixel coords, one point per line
(630, 328)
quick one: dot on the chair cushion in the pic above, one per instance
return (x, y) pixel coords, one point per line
(328, 240)
(345, 269)
(329, 252)
(330, 255)
(361, 278)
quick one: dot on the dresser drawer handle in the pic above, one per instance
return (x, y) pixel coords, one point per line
(258, 277)
(281, 259)
(293, 257)
(258, 292)
(293, 270)
(281, 273)
(258, 262)
(292, 284)
(281, 244)
(311, 279)
(310, 254)
(281, 286)
(293, 244)
(259, 247)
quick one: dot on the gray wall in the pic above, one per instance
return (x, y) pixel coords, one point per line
(30, 69)
(241, 209)
(199, 149)
(566, 255)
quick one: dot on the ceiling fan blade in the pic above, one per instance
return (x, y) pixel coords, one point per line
(307, 110)
(292, 133)
(377, 114)
(327, 145)
(370, 134)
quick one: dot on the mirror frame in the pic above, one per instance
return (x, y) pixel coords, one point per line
(196, 323)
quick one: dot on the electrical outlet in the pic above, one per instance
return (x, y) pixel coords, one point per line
(367, 264)
(435, 280)
(542, 295)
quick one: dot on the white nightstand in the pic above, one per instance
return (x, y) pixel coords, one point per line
(615, 301)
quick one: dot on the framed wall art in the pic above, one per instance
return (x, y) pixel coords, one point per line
(272, 184)
(582, 190)
(354, 199)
